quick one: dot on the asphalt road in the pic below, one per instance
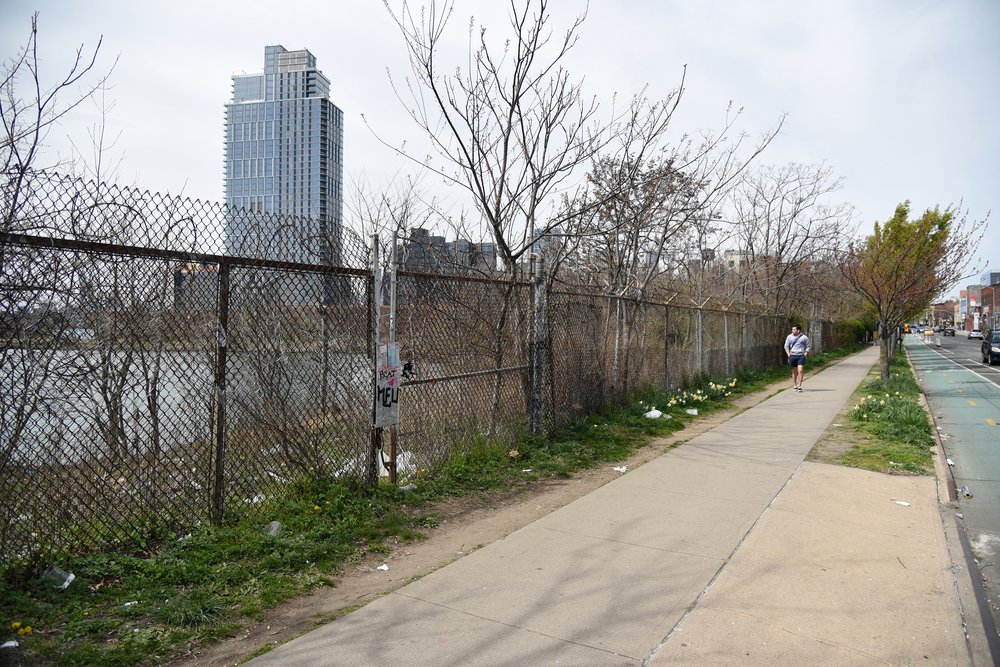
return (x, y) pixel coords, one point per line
(964, 396)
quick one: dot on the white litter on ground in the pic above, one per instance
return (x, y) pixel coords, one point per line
(620, 469)
(383, 567)
(653, 414)
(903, 503)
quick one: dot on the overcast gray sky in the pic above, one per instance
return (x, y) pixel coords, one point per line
(899, 97)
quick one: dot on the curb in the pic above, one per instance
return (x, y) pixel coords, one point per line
(983, 646)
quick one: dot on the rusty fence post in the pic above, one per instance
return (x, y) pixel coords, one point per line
(219, 413)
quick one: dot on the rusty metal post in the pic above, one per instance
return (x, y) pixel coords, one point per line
(538, 348)
(375, 443)
(666, 348)
(393, 430)
(725, 334)
(219, 413)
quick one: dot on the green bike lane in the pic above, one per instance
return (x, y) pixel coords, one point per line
(966, 410)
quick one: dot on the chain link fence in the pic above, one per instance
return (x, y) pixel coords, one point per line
(167, 361)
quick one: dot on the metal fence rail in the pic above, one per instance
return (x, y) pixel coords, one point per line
(153, 377)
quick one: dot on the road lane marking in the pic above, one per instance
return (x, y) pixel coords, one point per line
(972, 404)
(977, 374)
(991, 422)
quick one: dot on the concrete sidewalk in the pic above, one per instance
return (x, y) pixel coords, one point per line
(727, 549)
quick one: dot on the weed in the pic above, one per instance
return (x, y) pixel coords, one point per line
(165, 591)
(895, 425)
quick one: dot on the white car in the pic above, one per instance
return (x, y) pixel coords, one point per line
(975, 333)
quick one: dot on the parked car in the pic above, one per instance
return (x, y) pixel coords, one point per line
(948, 331)
(975, 333)
(991, 347)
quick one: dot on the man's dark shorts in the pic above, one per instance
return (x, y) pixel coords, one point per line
(797, 360)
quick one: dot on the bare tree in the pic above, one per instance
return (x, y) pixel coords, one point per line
(783, 223)
(656, 225)
(31, 105)
(513, 127)
(37, 327)
(515, 130)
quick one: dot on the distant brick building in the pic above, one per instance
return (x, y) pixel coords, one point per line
(944, 312)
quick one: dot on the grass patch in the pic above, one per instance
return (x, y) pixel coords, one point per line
(895, 427)
(124, 609)
(150, 605)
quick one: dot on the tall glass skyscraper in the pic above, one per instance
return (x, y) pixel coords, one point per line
(284, 162)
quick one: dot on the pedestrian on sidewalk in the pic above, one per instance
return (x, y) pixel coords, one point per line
(797, 349)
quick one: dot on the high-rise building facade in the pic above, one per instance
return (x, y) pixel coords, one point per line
(284, 162)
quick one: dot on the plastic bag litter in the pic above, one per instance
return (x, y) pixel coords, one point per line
(620, 469)
(10, 644)
(59, 577)
(692, 411)
(903, 503)
(384, 567)
(653, 414)
(406, 466)
(274, 528)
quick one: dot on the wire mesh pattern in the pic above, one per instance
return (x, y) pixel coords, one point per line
(137, 391)
(167, 361)
(464, 348)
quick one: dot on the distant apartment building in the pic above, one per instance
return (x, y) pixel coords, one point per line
(427, 253)
(734, 260)
(974, 311)
(284, 166)
(990, 278)
(423, 252)
(990, 300)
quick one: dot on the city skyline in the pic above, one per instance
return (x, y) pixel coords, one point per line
(896, 97)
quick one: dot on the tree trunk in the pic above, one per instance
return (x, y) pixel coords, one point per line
(884, 351)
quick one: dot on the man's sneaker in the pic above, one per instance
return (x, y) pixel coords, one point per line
(799, 389)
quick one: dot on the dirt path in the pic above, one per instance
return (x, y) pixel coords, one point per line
(466, 525)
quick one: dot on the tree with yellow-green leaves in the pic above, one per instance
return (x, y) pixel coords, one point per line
(905, 264)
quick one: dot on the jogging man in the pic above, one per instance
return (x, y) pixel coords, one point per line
(797, 349)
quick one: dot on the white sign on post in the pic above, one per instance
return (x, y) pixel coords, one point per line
(387, 376)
